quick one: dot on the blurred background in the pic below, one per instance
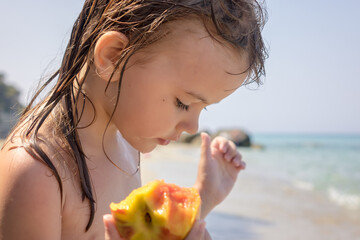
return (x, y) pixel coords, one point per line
(304, 119)
(312, 83)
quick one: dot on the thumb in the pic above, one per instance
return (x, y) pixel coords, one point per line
(197, 232)
(205, 146)
(111, 232)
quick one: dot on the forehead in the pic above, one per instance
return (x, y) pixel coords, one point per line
(197, 62)
(201, 53)
(193, 38)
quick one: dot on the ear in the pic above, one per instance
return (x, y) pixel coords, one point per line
(108, 49)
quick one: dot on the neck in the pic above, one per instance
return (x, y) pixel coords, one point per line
(99, 137)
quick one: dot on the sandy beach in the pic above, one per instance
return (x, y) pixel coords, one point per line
(258, 208)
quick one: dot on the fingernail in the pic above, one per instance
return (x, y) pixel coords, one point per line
(237, 162)
(243, 164)
(106, 219)
(202, 223)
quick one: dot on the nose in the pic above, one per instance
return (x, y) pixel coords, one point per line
(189, 125)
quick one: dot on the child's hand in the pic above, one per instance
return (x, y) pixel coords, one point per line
(198, 232)
(111, 232)
(219, 166)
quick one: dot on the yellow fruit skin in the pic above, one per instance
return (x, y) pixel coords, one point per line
(157, 211)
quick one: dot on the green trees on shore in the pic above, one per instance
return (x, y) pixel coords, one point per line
(9, 96)
(9, 106)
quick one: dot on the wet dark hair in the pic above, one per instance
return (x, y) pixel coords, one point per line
(235, 22)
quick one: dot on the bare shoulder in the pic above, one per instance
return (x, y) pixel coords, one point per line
(30, 201)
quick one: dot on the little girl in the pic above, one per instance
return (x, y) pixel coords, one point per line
(135, 74)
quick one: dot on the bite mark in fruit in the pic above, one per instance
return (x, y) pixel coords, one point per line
(157, 211)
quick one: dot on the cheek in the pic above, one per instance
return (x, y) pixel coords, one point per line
(157, 116)
(145, 115)
(145, 103)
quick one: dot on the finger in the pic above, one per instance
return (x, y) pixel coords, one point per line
(218, 148)
(111, 232)
(224, 146)
(237, 159)
(238, 162)
(205, 146)
(231, 151)
(207, 235)
(198, 231)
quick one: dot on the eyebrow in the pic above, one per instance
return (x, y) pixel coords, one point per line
(236, 74)
(197, 96)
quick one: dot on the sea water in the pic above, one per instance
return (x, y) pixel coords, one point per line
(328, 164)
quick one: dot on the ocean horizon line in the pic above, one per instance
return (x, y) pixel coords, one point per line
(305, 134)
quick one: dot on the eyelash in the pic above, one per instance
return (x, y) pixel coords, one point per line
(182, 106)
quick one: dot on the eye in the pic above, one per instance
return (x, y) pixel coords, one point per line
(182, 106)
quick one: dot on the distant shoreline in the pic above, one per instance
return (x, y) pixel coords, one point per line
(302, 134)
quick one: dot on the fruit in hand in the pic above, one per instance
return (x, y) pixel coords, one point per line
(157, 211)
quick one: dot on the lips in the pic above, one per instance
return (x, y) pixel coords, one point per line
(163, 141)
(166, 141)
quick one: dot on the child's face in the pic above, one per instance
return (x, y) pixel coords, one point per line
(163, 96)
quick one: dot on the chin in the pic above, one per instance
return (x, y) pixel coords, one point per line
(145, 148)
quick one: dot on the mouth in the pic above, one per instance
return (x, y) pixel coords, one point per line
(163, 142)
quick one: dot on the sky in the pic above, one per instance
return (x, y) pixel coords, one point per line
(312, 83)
